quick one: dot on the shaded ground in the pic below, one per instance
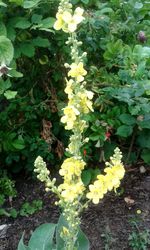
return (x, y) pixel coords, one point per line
(105, 223)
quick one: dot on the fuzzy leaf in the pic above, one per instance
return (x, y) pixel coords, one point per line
(42, 237)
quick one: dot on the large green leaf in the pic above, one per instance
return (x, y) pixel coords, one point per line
(124, 131)
(82, 242)
(22, 23)
(143, 140)
(6, 50)
(41, 42)
(127, 119)
(42, 237)
(27, 49)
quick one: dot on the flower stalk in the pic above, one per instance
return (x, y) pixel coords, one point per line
(72, 191)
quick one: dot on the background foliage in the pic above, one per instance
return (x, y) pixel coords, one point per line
(116, 37)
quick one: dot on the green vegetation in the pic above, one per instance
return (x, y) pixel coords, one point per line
(115, 35)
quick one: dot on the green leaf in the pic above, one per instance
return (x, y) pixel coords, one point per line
(138, 5)
(4, 85)
(127, 119)
(41, 42)
(94, 137)
(21, 245)
(18, 144)
(31, 4)
(27, 49)
(85, 1)
(6, 50)
(42, 237)
(86, 177)
(3, 31)
(143, 140)
(15, 73)
(18, 2)
(3, 4)
(9, 94)
(145, 155)
(82, 242)
(124, 131)
(22, 23)
(44, 24)
(13, 213)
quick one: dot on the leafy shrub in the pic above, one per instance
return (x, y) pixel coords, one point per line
(116, 38)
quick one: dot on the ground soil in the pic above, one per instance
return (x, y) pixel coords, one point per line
(107, 225)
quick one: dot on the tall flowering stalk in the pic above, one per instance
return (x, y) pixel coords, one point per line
(72, 194)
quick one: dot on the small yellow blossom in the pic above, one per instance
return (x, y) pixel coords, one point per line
(65, 231)
(85, 103)
(69, 89)
(70, 113)
(68, 22)
(77, 71)
(71, 191)
(71, 167)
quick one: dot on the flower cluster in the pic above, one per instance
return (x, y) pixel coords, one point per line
(104, 183)
(66, 19)
(72, 186)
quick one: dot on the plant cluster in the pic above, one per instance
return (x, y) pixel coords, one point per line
(72, 195)
(31, 88)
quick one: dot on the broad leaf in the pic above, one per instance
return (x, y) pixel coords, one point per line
(22, 23)
(124, 131)
(127, 119)
(6, 50)
(9, 94)
(86, 177)
(42, 237)
(31, 4)
(146, 156)
(41, 42)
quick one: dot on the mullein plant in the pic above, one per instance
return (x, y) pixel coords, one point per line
(72, 195)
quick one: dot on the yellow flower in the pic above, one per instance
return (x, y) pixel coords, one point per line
(68, 89)
(107, 182)
(71, 167)
(59, 22)
(71, 191)
(65, 231)
(70, 113)
(85, 103)
(77, 71)
(68, 22)
(96, 192)
(78, 15)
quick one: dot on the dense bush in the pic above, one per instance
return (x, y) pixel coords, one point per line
(116, 38)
